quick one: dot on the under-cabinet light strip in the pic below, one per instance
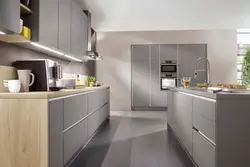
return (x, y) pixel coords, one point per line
(46, 48)
(2, 33)
(55, 51)
(73, 58)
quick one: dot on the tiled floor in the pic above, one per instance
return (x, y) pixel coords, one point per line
(134, 139)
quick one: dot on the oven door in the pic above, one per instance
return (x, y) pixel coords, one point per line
(169, 68)
(168, 82)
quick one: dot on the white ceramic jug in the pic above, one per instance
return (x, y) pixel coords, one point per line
(26, 78)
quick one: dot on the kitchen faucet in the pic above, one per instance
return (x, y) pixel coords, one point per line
(208, 70)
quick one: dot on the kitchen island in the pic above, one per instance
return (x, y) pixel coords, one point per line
(49, 129)
(212, 127)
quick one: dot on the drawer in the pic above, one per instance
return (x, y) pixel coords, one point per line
(204, 125)
(205, 107)
(75, 108)
(203, 151)
(93, 123)
(74, 139)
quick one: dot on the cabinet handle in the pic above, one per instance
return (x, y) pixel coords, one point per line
(205, 137)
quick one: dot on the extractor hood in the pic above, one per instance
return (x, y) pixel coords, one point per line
(92, 40)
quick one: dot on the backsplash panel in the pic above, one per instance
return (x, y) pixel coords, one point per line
(10, 53)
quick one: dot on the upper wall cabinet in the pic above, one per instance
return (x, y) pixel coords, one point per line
(64, 42)
(79, 31)
(48, 23)
(10, 15)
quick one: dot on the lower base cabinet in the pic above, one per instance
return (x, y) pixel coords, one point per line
(203, 151)
(74, 139)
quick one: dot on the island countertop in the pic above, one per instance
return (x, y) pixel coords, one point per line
(208, 94)
(49, 94)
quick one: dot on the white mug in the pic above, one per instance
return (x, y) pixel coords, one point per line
(14, 86)
(24, 77)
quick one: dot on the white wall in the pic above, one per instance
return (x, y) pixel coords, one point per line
(115, 69)
(149, 15)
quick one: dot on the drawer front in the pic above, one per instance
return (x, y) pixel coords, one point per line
(205, 107)
(205, 126)
(74, 139)
(93, 122)
(75, 108)
(203, 151)
(93, 101)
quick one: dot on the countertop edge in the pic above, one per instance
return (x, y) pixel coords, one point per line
(50, 95)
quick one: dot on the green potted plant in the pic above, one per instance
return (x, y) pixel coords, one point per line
(91, 81)
(246, 69)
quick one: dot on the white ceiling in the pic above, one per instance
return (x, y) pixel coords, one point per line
(146, 15)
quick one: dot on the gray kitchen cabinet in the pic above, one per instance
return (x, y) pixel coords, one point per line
(157, 96)
(74, 140)
(77, 46)
(75, 108)
(182, 117)
(168, 52)
(187, 56)
(93, 122)
(64, 33)
(48, 23)
(56, 133)
(140, 76)
(84, 34)
(93, 101)
(170, 108)
(10, 15)
(203, 151)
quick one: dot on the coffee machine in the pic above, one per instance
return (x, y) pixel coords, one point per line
(46, 72)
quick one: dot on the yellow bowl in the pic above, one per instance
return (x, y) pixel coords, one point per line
(26, 32)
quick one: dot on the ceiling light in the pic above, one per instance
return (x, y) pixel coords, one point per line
(46, 48)
(2, 33)
(73, 58)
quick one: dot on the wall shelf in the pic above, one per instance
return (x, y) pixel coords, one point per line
(25, 10)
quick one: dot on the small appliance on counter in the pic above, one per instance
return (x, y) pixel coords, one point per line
(46, 72)
(169, 75)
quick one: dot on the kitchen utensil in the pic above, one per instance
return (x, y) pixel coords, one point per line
(66, 83)
(185, 81)
(24, 77)
(14, 86)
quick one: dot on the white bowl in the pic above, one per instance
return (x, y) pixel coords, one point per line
(14, 88)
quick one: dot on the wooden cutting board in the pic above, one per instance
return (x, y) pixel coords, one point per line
(6, 73)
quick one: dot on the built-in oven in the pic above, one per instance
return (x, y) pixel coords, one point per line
(169, 66)
(168, 82)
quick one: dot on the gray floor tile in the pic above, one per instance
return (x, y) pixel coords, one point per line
(134, 139)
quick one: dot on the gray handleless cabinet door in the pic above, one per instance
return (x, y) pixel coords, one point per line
(48, 22)
(56, 133)
(75, 108)
(10, 15)
(170, 108)
(74, 140)
(168, 52)
(187, 56)
(76, 29)
(140, 76)
(64, 25)
(203, 151)
(158, 98)
(183, 121)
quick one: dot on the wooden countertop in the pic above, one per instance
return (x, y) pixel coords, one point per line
(49, 95)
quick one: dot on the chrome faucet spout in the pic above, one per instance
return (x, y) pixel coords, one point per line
(208, 70)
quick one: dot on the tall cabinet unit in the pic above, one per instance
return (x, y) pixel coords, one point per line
(140, 76)
(157, 96)
(146, 92)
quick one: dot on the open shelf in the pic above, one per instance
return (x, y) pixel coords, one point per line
(25, 10)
